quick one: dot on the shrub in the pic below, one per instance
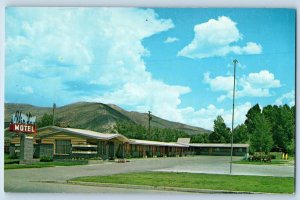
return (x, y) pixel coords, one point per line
(128, 155)
(12, 162)
(95, 158)
(149, 153)
(14, 156)
(262, 157)
(46, 159)
(135, 154)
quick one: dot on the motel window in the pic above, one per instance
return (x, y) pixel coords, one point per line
(216, 149)
(204, 149)
(63, 146)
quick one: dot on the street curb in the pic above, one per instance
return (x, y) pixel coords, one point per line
(148, 187)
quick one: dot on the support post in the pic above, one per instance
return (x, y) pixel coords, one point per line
(149, 119)
(54, 106)
(26, 149)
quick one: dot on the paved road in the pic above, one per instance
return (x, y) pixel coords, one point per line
(54, 179)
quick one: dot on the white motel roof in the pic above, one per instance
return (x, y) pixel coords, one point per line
(182, 142)
(156, 143)
(90, 134)
(217, 145)
(97, 135)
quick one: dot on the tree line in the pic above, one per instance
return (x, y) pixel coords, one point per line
(271, 128)
(137, 131)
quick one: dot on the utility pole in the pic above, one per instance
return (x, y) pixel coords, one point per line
(54, 106)
(232, 122)
(149, 119)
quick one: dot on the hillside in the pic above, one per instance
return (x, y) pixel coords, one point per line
(98, 116)
(142, 118)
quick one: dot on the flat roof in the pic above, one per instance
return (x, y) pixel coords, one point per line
(217, 145)
(156, 143)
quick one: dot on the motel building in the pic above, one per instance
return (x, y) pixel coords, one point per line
(71, 143)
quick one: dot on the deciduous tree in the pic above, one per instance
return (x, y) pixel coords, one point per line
(240, 134)
(261, 137)
(249, 122)
(46, 120)
(221, 133)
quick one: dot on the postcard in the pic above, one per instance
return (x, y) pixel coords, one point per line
(149, 100)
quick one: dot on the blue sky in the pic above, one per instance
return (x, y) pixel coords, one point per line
(175, 62)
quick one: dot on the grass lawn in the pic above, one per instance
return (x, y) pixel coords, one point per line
(14, 163)
(273, 162)
(199, 181)
(45, 164)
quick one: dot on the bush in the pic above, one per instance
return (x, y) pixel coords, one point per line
(261, 157)
(149, 153)
(158, 154)
(135, 154)
(128, 155)
(95, 158)
(12, 162)
(46, 159)
(14, 156)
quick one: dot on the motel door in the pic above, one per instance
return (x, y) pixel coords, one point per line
(111, 150)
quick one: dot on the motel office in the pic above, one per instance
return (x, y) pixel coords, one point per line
(69, 143)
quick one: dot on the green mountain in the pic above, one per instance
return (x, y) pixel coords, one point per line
(97, 116)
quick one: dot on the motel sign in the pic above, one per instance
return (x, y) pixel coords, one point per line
(24, 123)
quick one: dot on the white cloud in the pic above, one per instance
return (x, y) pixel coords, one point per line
(93, 62)
(251, 48)
(171, 40)
(287, 98)
(252, 85)
(216, 38)
(88, 48)
(155, 95)
(221, 98)
(263, 79)
(63, 65)
(205, 117)
(219, 83)
(240, 112)
(27, 90)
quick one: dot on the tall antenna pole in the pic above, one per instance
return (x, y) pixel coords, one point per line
(54, 106)
(149, 119)
(232, 122)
